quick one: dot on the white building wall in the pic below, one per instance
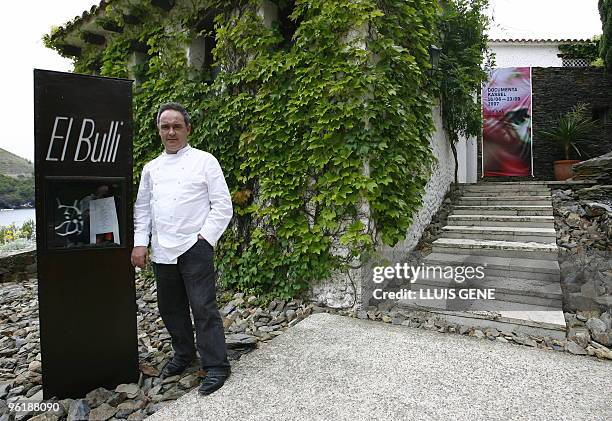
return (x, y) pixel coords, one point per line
(467, 158)
(461, 160)
(541, 54)
(471, 160)
(196, 53)
(268, 11)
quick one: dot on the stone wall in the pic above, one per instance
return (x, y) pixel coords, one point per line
(583, 221)
(18, 266)
(555, 91)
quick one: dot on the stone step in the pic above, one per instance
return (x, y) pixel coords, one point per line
(545, 221)
(521, 186)
(426, 299)
(504, 186)
(491, 262)
(508, 291)
(505, 193)
(516, 210)
(569, 183)
(512, 267)
(535, 323)
(511, 183)
(543, 251)
(506, 200)
(508, 230)
(520, 234)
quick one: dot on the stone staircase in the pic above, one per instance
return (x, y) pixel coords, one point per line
(508, 230)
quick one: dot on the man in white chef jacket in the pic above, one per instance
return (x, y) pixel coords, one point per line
(184, 206)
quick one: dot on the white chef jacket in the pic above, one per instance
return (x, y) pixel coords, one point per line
(180, 196)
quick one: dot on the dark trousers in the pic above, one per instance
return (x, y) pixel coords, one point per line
(191, 282)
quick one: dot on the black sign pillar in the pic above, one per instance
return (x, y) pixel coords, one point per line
(86, 291)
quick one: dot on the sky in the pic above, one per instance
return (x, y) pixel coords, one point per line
(26, 21)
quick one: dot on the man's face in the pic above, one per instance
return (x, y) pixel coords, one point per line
(173, 130)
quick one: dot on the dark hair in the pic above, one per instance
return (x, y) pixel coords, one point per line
(173, 106)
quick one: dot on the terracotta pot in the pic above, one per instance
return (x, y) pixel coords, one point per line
(563, 169)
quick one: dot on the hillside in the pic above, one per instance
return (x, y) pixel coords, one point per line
(16, 181)
(12, 165)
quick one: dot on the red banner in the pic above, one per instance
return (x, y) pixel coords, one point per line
(506, 133)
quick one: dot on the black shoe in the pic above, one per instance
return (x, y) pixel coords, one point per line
(174, 367)
(215, 378)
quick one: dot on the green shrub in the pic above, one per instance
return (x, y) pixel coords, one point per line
(9, 233)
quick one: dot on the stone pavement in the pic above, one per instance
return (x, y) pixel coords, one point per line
(340, 368)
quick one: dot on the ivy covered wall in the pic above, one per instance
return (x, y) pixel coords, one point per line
(605, 11)
(320, 116)
(589, 50)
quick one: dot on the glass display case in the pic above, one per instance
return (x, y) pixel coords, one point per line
(85, 213)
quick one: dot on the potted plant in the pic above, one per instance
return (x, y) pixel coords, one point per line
(571, 128)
